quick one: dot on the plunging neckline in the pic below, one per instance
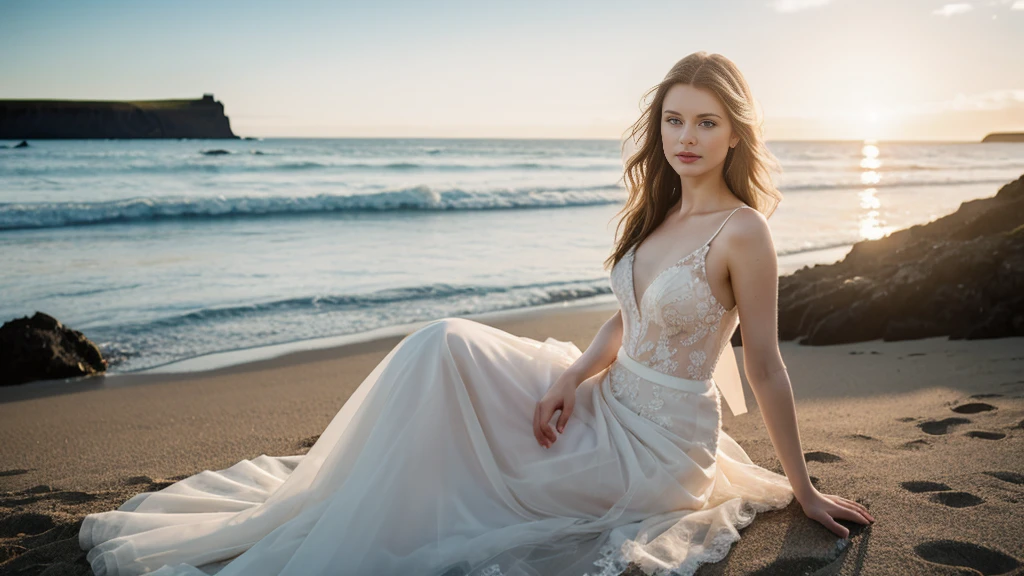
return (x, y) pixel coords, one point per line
(638, 304)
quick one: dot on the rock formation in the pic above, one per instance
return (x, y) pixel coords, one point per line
(41, 119)
(41, 348)
(960, 276)
(1004, 137)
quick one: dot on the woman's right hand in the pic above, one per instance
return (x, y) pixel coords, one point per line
(561, 396)
(827, 508)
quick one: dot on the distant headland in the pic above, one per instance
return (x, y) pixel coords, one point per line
(1004, 137)
(46, 119)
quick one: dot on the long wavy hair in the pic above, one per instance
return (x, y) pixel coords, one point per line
(653, 186)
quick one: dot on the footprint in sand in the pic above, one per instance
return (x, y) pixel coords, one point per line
(1011, 477)
(918, 486)
(43, 492)
(818, 456)
(906, 419)
(966, 555)
(939, 427)
(957, 499)
(985, 435)
(942, 493)
(973, 408)
(916, 444)
(25, 523)
(861, 437)
(14, 472)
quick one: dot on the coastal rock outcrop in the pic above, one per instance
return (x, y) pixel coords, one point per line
(960, 276)
(1004, 137)
(41, 119)
(41, 348)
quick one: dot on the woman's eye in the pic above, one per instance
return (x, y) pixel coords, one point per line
(675, 120)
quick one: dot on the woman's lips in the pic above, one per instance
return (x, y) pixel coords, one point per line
(687, 159)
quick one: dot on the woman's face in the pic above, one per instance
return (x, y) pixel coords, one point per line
(694, 121)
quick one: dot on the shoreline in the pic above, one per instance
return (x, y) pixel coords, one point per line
(314, 349)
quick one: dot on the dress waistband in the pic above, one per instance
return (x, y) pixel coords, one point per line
(667, 380)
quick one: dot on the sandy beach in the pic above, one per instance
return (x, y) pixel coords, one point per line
(926, 433)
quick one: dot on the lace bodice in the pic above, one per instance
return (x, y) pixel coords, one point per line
(678, 327)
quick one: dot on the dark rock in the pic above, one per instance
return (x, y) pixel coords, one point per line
(217, 152)
(39, 119)
(1004, 137)
(41, 348)
(960, 276)
(22, 144)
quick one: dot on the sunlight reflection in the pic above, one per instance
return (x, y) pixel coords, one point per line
(870, 163)
(868, 200)
(870, 178)
(871, 227)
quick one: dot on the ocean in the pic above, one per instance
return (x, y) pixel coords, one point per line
(161, 251)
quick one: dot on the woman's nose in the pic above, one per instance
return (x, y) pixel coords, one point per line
(686, 135)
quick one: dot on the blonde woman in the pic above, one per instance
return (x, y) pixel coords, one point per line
(445, 460)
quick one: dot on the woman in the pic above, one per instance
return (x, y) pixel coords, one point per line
(431, 466)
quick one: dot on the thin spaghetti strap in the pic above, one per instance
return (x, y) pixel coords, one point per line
(723, 224)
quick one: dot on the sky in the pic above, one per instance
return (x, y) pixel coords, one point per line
(818, 69)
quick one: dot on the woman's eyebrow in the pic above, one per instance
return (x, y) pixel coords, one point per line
(698, 115)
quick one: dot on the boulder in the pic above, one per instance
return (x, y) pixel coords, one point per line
(41, 348)
(960, 276)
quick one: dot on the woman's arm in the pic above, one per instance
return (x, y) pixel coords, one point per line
(753, 269)
(601, 352)
(561, 396)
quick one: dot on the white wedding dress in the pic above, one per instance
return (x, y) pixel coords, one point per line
(431, 466)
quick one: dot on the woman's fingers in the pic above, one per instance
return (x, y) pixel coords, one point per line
(863, 509)
(563, 418)
(836, 527)
(542, 430)
(855, 515)
(536, 426)
(546, 412)
(855, 506)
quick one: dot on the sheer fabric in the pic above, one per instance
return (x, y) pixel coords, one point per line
(431, 468)
(678, 327)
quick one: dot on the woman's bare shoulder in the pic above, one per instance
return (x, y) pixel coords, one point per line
(748, 229)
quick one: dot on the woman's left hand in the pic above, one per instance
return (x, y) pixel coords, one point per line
(826, 508)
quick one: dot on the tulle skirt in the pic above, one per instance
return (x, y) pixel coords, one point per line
(431, 468)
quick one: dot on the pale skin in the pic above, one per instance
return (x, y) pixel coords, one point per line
(742, 271)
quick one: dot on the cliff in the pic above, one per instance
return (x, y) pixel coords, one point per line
(1004, 137)
(41, 119)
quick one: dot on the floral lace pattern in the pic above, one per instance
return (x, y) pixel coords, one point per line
(677, 327)
(678, 313)
(689, 415)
